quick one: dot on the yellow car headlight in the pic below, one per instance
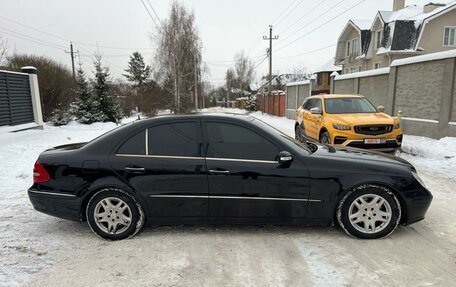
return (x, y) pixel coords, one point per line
(341, 127)
(397, 125)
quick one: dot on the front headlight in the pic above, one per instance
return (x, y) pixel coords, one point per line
(397, 125)
(418, 178)
(341, 127)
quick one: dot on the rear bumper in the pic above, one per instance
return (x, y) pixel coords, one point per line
(59, 205)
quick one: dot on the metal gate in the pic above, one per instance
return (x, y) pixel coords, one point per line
(15, 99)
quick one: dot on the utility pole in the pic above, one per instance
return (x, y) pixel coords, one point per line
(196, 82)
(72, 58)
(270, 38)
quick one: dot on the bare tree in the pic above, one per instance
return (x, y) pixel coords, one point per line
(241, 76)
(179, 55)
(3, 50)
(244, 70)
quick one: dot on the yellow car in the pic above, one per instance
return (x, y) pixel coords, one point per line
(347, 120)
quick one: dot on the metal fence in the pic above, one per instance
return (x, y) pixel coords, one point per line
(15, 99)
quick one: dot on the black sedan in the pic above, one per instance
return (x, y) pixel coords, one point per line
(222, 168)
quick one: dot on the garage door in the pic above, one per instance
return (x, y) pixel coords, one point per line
(15, 99)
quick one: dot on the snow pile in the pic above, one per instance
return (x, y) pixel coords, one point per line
(437, 156)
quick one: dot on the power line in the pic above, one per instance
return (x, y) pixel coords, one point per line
(251, 48)
(289, 12)
(155, 13)
(311, 21)
(310, 52)
(34, 40)
(303, 16)
(150, 14)
(65, 39)
(35, 29)
(318, 27)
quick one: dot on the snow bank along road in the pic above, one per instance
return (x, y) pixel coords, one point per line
(38, 250)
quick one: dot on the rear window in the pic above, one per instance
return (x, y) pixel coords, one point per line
(134, 145)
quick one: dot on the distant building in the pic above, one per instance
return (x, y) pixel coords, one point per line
(401, 33)
(322, 83)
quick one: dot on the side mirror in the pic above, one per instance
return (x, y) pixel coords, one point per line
(315, 111)
(381, 109)
(285, 157)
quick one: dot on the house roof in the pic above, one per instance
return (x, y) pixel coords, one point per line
(362, 24)
(401, 32)
(329, 67)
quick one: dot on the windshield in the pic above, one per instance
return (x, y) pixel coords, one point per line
(349, 106)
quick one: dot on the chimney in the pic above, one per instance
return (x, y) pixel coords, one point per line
(398, 5)
(432, 6)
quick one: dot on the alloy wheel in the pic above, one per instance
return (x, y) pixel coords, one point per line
(112, 215)
(370, 213)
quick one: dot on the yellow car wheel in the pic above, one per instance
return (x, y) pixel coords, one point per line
(325, 138)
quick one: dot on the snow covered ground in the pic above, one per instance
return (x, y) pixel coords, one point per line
(38, 250)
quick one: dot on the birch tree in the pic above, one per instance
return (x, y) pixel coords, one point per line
(178, 56)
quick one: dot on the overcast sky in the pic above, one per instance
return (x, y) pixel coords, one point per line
(120, 27)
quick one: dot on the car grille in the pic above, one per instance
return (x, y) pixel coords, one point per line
(373, 129)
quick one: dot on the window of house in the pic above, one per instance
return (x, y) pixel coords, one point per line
(377, 65)
(237, 142)
(348, 48)
(347, 71)
(320, 79)
(134, 145)
(449, 36)
(354, 69)
(175, 139)
(354, 48)
(378, 39)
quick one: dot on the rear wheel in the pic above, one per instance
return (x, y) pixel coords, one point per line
(325, 138)
(369, 212)
(114, 214)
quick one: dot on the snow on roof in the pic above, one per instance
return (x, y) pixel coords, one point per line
(425, 58)
(362, 24)
(369, 73)
(306, 82)
(329, 67)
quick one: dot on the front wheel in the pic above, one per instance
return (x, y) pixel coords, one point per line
(325, 138)
(369, 212)
(299, 133)
(114, 214)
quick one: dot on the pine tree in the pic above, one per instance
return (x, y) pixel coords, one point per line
(138, 71)
(86, 108)
(109, 104)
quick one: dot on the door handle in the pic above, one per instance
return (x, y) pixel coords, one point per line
(223, 172)
(135, 169)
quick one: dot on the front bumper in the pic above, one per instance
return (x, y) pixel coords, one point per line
(417, 203)
(392, 140)
(59, 205)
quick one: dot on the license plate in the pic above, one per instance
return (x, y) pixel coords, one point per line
(374, 141)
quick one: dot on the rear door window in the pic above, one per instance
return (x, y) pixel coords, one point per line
(175, 139)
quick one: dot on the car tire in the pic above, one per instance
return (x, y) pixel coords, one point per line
(325, 138)
(299, 133)
(369, 212)
(114, 214)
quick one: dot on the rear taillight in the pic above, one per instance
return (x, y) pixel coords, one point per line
(40, 174)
